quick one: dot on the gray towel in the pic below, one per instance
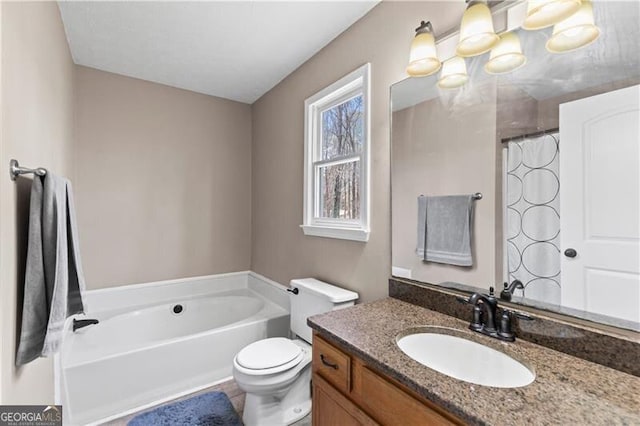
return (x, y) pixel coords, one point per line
(445, 227)
(54, 282)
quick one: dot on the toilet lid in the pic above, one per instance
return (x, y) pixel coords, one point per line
(268, 353)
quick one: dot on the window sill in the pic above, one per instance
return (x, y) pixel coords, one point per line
(353, 234)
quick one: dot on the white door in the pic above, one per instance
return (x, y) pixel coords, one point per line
(600, 203)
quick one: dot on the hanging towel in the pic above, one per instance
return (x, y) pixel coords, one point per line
(445, 229)
(54, 282)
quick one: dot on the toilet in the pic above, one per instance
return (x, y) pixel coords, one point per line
(275, 373)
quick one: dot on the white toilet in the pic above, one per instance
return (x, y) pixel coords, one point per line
(275, 373)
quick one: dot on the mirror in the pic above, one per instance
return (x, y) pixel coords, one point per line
(553, 147)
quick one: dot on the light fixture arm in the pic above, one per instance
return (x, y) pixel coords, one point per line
(425, 27)
(473, 2)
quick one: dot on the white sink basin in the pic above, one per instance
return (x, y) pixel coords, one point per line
(465, 360)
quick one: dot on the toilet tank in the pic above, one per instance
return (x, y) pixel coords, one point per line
(315, 297)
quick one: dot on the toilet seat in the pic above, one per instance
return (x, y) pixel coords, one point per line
(268, 356)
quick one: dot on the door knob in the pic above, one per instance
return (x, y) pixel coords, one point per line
(570, 252)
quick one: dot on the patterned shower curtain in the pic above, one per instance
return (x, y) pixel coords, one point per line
(533, 216)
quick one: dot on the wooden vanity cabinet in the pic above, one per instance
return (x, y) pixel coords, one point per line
(348, 392)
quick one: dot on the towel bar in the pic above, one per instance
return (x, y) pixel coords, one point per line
(476, 196)
(15, 170)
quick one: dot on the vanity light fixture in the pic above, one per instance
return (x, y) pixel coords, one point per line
(477, 35)
(544, 13)
(453, 74)
(573, 22)
(506, 56)
(423, 59)
(575, 32)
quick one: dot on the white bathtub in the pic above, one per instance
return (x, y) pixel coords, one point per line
(142, 352)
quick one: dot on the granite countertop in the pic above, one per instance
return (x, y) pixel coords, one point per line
(567, 390)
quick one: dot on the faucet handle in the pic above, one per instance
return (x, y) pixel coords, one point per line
(492, 295)
(477, 322)
(505, 332)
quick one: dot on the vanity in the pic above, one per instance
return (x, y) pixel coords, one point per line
(361, 376)
(349, 391)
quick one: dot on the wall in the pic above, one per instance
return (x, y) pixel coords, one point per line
(280, 250)
(437, 148)
(548, 113)
(163, 185)
(37, 127)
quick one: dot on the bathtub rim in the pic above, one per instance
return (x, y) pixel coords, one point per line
(251, 320)
(108, 314)
(172, 281)
(249, 280)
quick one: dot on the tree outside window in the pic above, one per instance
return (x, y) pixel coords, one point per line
(342, 134)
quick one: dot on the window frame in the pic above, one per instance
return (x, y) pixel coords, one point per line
(353, 84)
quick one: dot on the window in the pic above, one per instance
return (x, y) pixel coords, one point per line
(336, 187)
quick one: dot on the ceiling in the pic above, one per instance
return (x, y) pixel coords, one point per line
(233, 49)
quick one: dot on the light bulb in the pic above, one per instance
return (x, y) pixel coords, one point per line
(506, 56)
(477, 35)
(544, 13)
(423, 59)
(574, 32)
(453, 74)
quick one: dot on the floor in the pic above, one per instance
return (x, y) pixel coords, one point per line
(236, 396)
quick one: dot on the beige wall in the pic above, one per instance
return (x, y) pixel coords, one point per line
(163, 185)
(37, 126)
(280, 250)
(549, 109)
(439, 149)
(517, 112)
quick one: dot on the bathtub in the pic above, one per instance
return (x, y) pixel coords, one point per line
(158, 341)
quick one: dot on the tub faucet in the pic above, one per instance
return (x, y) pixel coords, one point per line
(83, 323)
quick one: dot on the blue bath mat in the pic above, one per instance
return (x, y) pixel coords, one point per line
(209, 409)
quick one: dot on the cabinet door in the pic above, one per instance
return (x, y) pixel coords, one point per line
(390, 405)
(330, 408)
(332, 364)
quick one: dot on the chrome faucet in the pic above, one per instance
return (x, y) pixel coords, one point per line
(484, 317)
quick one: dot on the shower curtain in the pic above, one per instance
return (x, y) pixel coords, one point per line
(533, 216)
